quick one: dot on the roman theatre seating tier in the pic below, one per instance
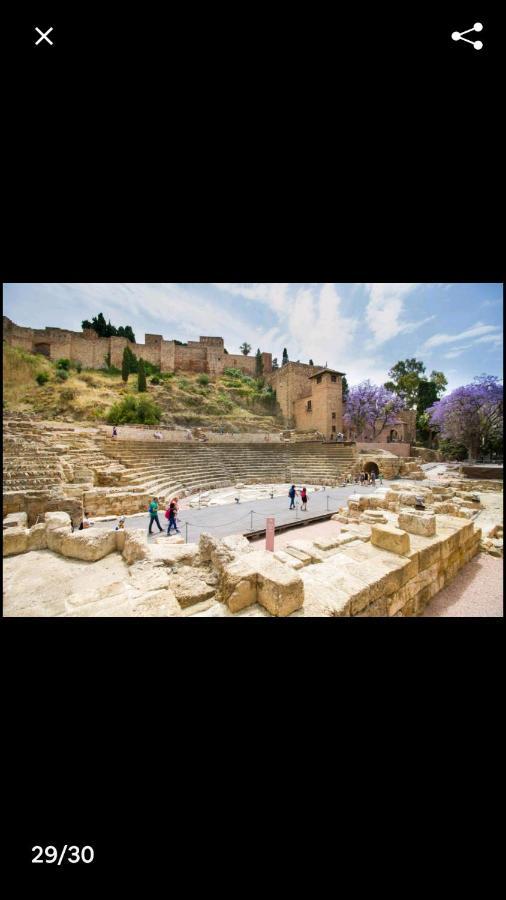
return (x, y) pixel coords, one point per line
(193, 467)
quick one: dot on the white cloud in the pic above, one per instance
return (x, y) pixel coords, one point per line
(385, 309)
(437, 340)
(452, 354)
(274, 294)
(490, 338)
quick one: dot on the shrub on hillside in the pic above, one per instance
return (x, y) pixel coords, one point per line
(233, 373)
(62, 374)
(184, 384)
(150, 369)
(155, 380)
(135, 410)
(63, 364)
(203, 380)
(42, 378)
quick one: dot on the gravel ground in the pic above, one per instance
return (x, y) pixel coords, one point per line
(477, 591)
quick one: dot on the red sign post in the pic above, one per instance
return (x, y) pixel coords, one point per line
(269, 534)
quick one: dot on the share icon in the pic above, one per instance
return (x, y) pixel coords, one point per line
(459, 36)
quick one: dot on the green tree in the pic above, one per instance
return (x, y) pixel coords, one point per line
(125, 365)
(100, 325)
(133, 363)
(405, 379)
(259, 364)
(105, 329)
(285, 357)
(141, 377)
(275, 364)
(311, 363)
(346, 388)
(245, 349)
(440, 380)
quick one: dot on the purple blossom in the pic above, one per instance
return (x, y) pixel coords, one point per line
(472, 414)
(370, 407)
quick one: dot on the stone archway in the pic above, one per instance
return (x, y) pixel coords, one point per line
(370, 468)
(44, 349)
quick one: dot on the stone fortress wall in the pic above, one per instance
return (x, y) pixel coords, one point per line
(205, 355)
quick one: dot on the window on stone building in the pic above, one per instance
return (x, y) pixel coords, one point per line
(319, 379)
(333, 429)
(333, 415)
(309, 407)
(333, 378)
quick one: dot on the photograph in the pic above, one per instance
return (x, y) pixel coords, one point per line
(224, 450)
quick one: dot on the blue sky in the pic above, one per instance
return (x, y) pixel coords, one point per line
(359, 328)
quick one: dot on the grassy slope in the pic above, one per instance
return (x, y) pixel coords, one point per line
(228, 402)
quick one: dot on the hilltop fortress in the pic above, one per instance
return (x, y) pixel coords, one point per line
(310, 397)
(208, 354)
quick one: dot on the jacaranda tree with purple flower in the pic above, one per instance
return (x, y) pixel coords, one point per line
(471, 415)
(369, 408)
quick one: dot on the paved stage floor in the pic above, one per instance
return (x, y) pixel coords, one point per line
(242, 518)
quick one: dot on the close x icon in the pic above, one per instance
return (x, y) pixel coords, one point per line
(42, 35)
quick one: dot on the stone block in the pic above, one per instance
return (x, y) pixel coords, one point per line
(120, 540)
(316, 555)
(89, 545)
(418, 523)
(189, 589)
(156, 604)
(407, 498)
(15, 541)
(389, 538)
(279, 590)
(304, 558)
(135, 547)
(56, 536)
(57, 520)
(328, 543)
(37, 539)
(376, 609)
(323, 599)
(288, 560)
(207, 545)
(338, 579)
(238, 583)
(237, 543)
(16, 520)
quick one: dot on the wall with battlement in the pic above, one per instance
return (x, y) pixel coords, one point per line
(205, 355)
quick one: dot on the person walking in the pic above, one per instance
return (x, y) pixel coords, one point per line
(292, 494)
(153, 515)
(373, 479)
(362, 478)
(115, 432)
(303, 497)
(381, 479)
(171, 516)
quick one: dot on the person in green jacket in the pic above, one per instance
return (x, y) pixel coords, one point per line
(153, 515)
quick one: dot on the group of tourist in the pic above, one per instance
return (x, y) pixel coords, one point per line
(368, 478)
(292, 493)
(170, 514)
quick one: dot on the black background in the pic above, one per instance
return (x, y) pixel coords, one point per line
(309, 142)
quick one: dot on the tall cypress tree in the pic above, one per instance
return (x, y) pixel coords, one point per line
(285, 357)
(125, 365)
(259, 364)
(141, 377)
